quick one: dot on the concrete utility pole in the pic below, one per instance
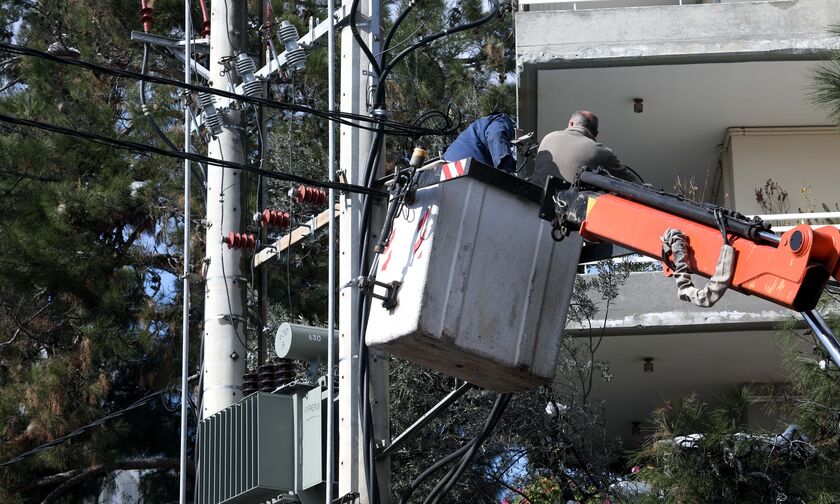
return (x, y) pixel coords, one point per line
(356, 82)
(225, 287)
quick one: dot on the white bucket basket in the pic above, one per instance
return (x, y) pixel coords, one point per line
(484, 290)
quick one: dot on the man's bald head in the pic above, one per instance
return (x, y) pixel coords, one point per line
(585, 119)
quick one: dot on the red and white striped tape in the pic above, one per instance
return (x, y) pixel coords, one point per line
(452, 170)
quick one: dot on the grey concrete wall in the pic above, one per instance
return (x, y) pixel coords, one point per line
(719, 31)
(648, 304)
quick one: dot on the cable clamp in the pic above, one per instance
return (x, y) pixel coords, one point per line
(389, 299)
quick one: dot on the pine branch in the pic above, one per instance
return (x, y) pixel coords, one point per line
(39, 178)
(72, 478)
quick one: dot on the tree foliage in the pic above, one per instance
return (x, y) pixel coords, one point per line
(90, 246)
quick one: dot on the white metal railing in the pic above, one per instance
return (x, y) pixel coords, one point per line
(800, 218)
(573, 4)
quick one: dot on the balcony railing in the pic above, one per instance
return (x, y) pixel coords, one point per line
(544, 5)
(789, 220)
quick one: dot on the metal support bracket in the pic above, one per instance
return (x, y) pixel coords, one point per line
(176, 47)
(389, 300)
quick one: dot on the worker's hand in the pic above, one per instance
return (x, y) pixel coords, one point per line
(507, 165)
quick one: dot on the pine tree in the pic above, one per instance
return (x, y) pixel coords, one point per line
(90, 253)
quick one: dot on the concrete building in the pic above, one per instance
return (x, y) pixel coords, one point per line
(725, 107)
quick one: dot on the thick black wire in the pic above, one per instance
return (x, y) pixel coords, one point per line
(354, 29)
(81, 430)
(393, 31)
(138, 147)
(427, 40)
(412, 487)
(445, 485)
(480, 436)
(338, 116)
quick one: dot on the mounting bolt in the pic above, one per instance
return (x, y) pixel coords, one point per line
(234, 355)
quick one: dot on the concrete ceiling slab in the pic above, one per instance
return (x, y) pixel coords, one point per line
(687, 109)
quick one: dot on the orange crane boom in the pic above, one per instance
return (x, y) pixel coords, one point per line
(790, 270)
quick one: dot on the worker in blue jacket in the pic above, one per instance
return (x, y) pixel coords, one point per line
(486, 140)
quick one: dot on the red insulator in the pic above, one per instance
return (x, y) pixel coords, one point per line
(240, 241)
(147, 15)
(307, 195)
(276, 219)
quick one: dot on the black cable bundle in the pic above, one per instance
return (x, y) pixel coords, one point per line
(467, 454)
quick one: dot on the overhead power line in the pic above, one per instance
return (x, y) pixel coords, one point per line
(140, 147)
(81, 430)
(346, 118)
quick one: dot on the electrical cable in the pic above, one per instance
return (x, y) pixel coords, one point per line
(431, 38)
(81, 430)
(354, 29)
(412, 487)
(393, 31)
(139, 147)
(233, 321)
(479, 438)
(146, 112)
(345, 118)
(445, 485)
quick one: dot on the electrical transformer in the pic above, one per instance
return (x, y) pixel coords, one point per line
(262, 447)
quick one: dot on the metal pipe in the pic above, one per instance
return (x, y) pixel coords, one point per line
(769, 236)
(824, 334)
(185, 322)
(673, 204)
(331, 284)
(799, 216)
(427, 417)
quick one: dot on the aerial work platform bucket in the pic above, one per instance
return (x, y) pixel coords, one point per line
(483, 289)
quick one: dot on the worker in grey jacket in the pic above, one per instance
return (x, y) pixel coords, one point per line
(563, 153)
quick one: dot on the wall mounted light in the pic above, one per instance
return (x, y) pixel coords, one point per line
(638, 105)
(648, 366)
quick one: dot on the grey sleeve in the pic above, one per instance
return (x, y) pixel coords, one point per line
(617, 169)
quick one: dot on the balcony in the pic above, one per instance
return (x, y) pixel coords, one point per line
(707, 351)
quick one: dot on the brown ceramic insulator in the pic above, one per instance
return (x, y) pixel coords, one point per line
(250, 383)
(308, 195)
(245, 241)
(147, 15)
(266, 374)
(276, 219)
